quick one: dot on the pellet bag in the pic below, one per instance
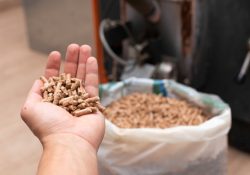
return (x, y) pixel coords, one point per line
(180, 150)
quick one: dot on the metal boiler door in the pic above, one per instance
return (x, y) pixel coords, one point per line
(220, 53)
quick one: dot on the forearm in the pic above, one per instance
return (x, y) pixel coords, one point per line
(67, 154)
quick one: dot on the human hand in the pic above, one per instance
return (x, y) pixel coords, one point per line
(48, 121)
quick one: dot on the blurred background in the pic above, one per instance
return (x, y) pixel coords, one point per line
(203, 44)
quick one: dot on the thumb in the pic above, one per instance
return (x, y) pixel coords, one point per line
(34, 97)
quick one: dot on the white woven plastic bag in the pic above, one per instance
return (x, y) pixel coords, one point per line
(182, 150)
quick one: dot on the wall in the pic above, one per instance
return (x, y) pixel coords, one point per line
(6, 4)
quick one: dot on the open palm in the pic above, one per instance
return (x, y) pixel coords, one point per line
(46, 119)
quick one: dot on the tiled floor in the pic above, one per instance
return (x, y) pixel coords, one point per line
(19, 149)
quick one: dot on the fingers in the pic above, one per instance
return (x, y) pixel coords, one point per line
(85, 53)
(79, 64)
(91, 77)
(71, 59)
(53, 64)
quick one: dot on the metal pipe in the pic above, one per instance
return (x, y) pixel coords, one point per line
(99, 51)
(104, 24)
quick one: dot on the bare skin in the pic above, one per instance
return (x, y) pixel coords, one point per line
(69, 143)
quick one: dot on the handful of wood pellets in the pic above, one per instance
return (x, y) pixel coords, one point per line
(69, 93)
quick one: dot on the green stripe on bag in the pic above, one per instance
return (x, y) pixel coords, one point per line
(159, 87)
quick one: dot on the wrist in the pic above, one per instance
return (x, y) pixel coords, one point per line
(73, 154)
(67, 141)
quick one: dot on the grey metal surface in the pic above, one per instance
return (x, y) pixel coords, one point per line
(53, 24)
(169, 26)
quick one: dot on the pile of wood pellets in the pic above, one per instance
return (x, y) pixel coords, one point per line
(141, 110)
(69, 93)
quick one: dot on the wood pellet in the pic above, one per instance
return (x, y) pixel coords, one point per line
(141, 110)
(69, 93)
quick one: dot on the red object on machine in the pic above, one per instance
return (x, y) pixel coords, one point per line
(98, 45)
